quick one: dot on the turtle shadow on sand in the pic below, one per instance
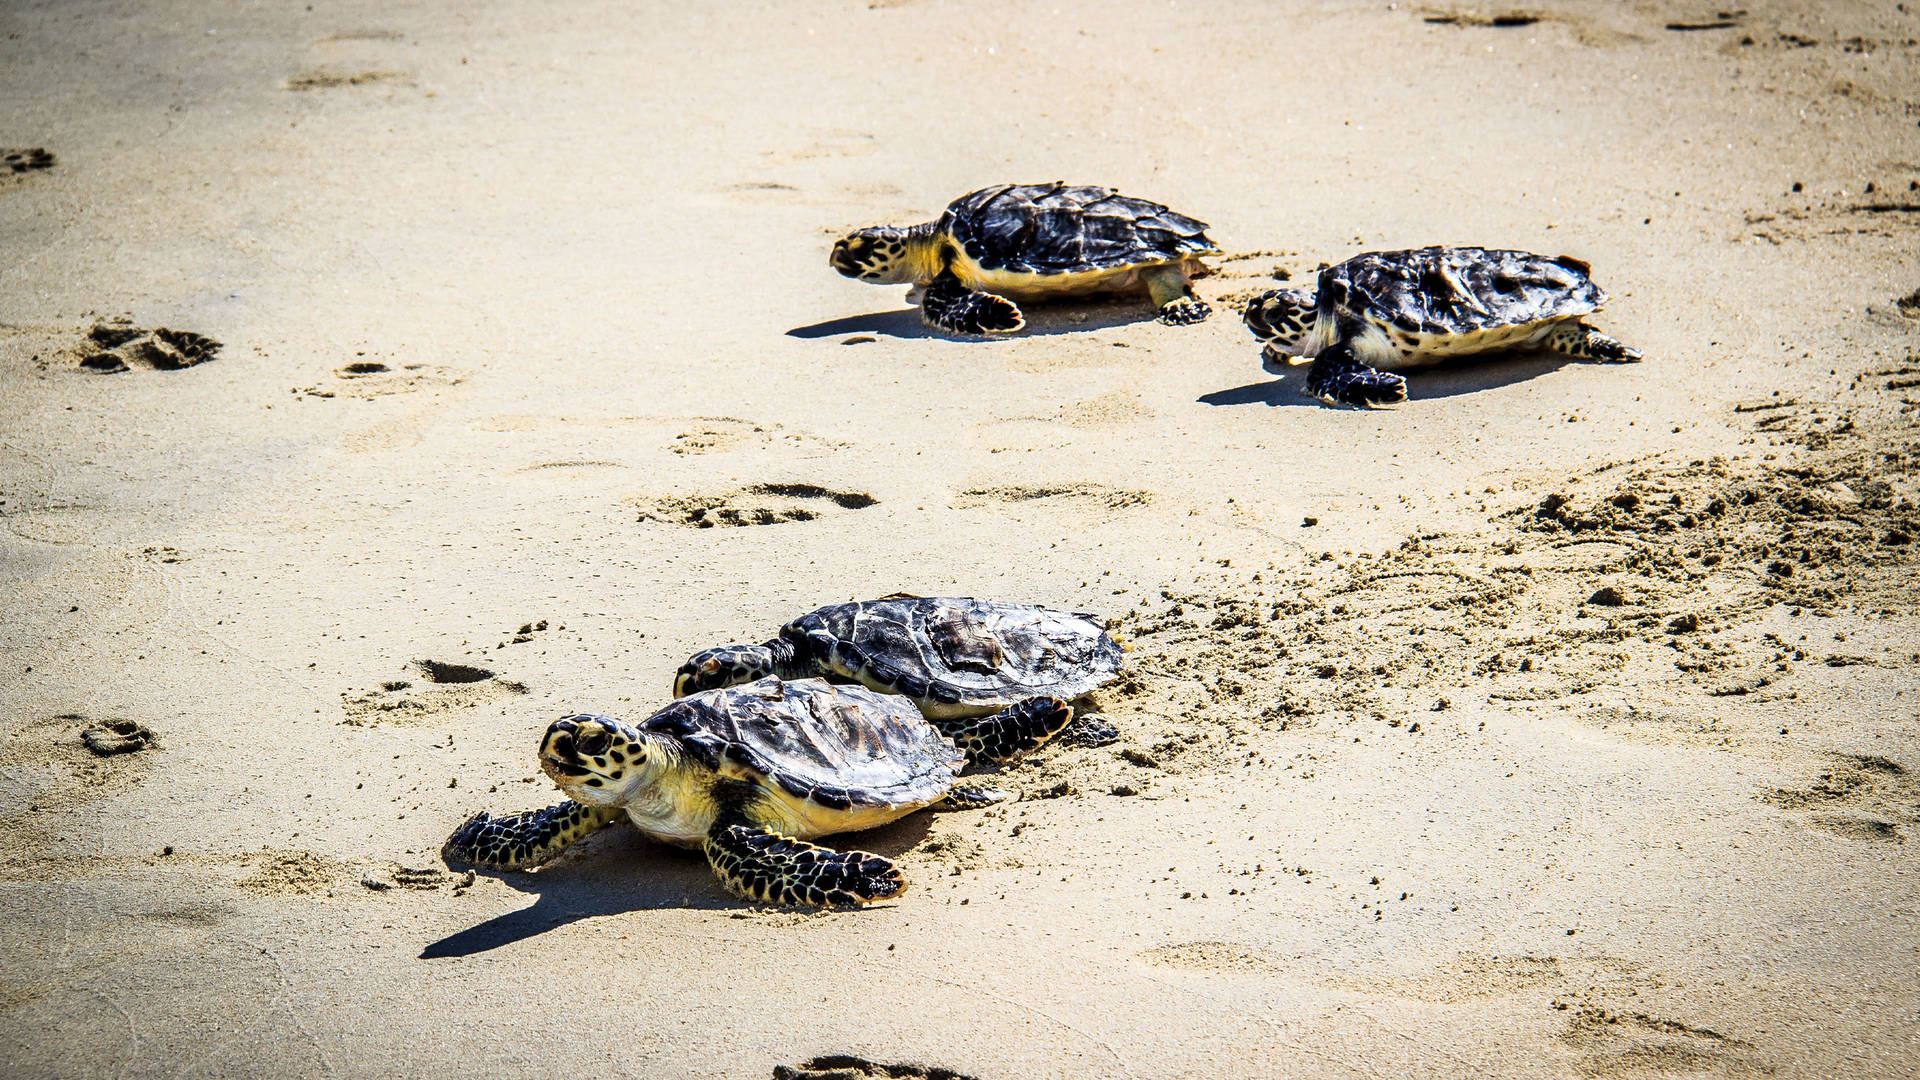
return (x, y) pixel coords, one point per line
(621, 871)
(1043, 320)
(1451, 380)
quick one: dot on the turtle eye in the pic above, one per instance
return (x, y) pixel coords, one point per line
(592, 743)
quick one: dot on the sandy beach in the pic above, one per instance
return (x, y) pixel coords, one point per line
(1563, 721)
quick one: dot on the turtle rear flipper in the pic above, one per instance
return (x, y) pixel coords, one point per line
(1174, 297)
(1337, 377)
(951, 306)
(1009, 733)
(766, 866)
(524, 841)
(972, 797)
(1576, 338)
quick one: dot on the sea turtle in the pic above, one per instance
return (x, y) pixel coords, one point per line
(748, 773)
(1402, 310)
(1034, 242)
(955, 657)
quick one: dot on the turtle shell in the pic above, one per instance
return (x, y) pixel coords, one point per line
(956, 654)
(1061, 229)
(841, 746)
(1443, 291)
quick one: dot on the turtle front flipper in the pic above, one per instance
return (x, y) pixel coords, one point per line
(1338, 377)
(1009, 733)
(1173, 295)
(949, 305)
(524, 841)
(1089, 729)
(1284, 320)
(775, 869)
(1576, 338)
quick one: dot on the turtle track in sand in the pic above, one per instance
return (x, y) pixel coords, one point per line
(1586, 598)
(754, 504)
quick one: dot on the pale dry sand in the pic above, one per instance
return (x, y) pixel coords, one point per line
(1403, 809)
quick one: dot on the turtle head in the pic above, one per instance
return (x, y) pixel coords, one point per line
(728, 665)
(598, 760)
(1283, 319)
(881, 255)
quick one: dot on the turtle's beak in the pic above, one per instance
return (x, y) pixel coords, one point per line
(560, 750)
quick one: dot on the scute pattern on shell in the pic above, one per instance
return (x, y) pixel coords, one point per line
(841, 745)
(962, 650)
(1058, 229)
(1444, 291)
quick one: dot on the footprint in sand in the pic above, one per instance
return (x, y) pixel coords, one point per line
(848, 1067)
(1504, 19)
(18, 159)
(298, 872)
(1108, 410)
(291, 873)
(1259, 265)
(1018, 498)
(1858, 796)
(70, 760)
(345, 36)
(1472, 977)
(368, 379)
(1586, 31)
(327, 79)
(715, 434)
(1802, 215)
(1217, 956)
(755, 504)
(834, 143)
(116, 345)
(107, 738)
(449, 689)
(763, 191)
(1631, 1045)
